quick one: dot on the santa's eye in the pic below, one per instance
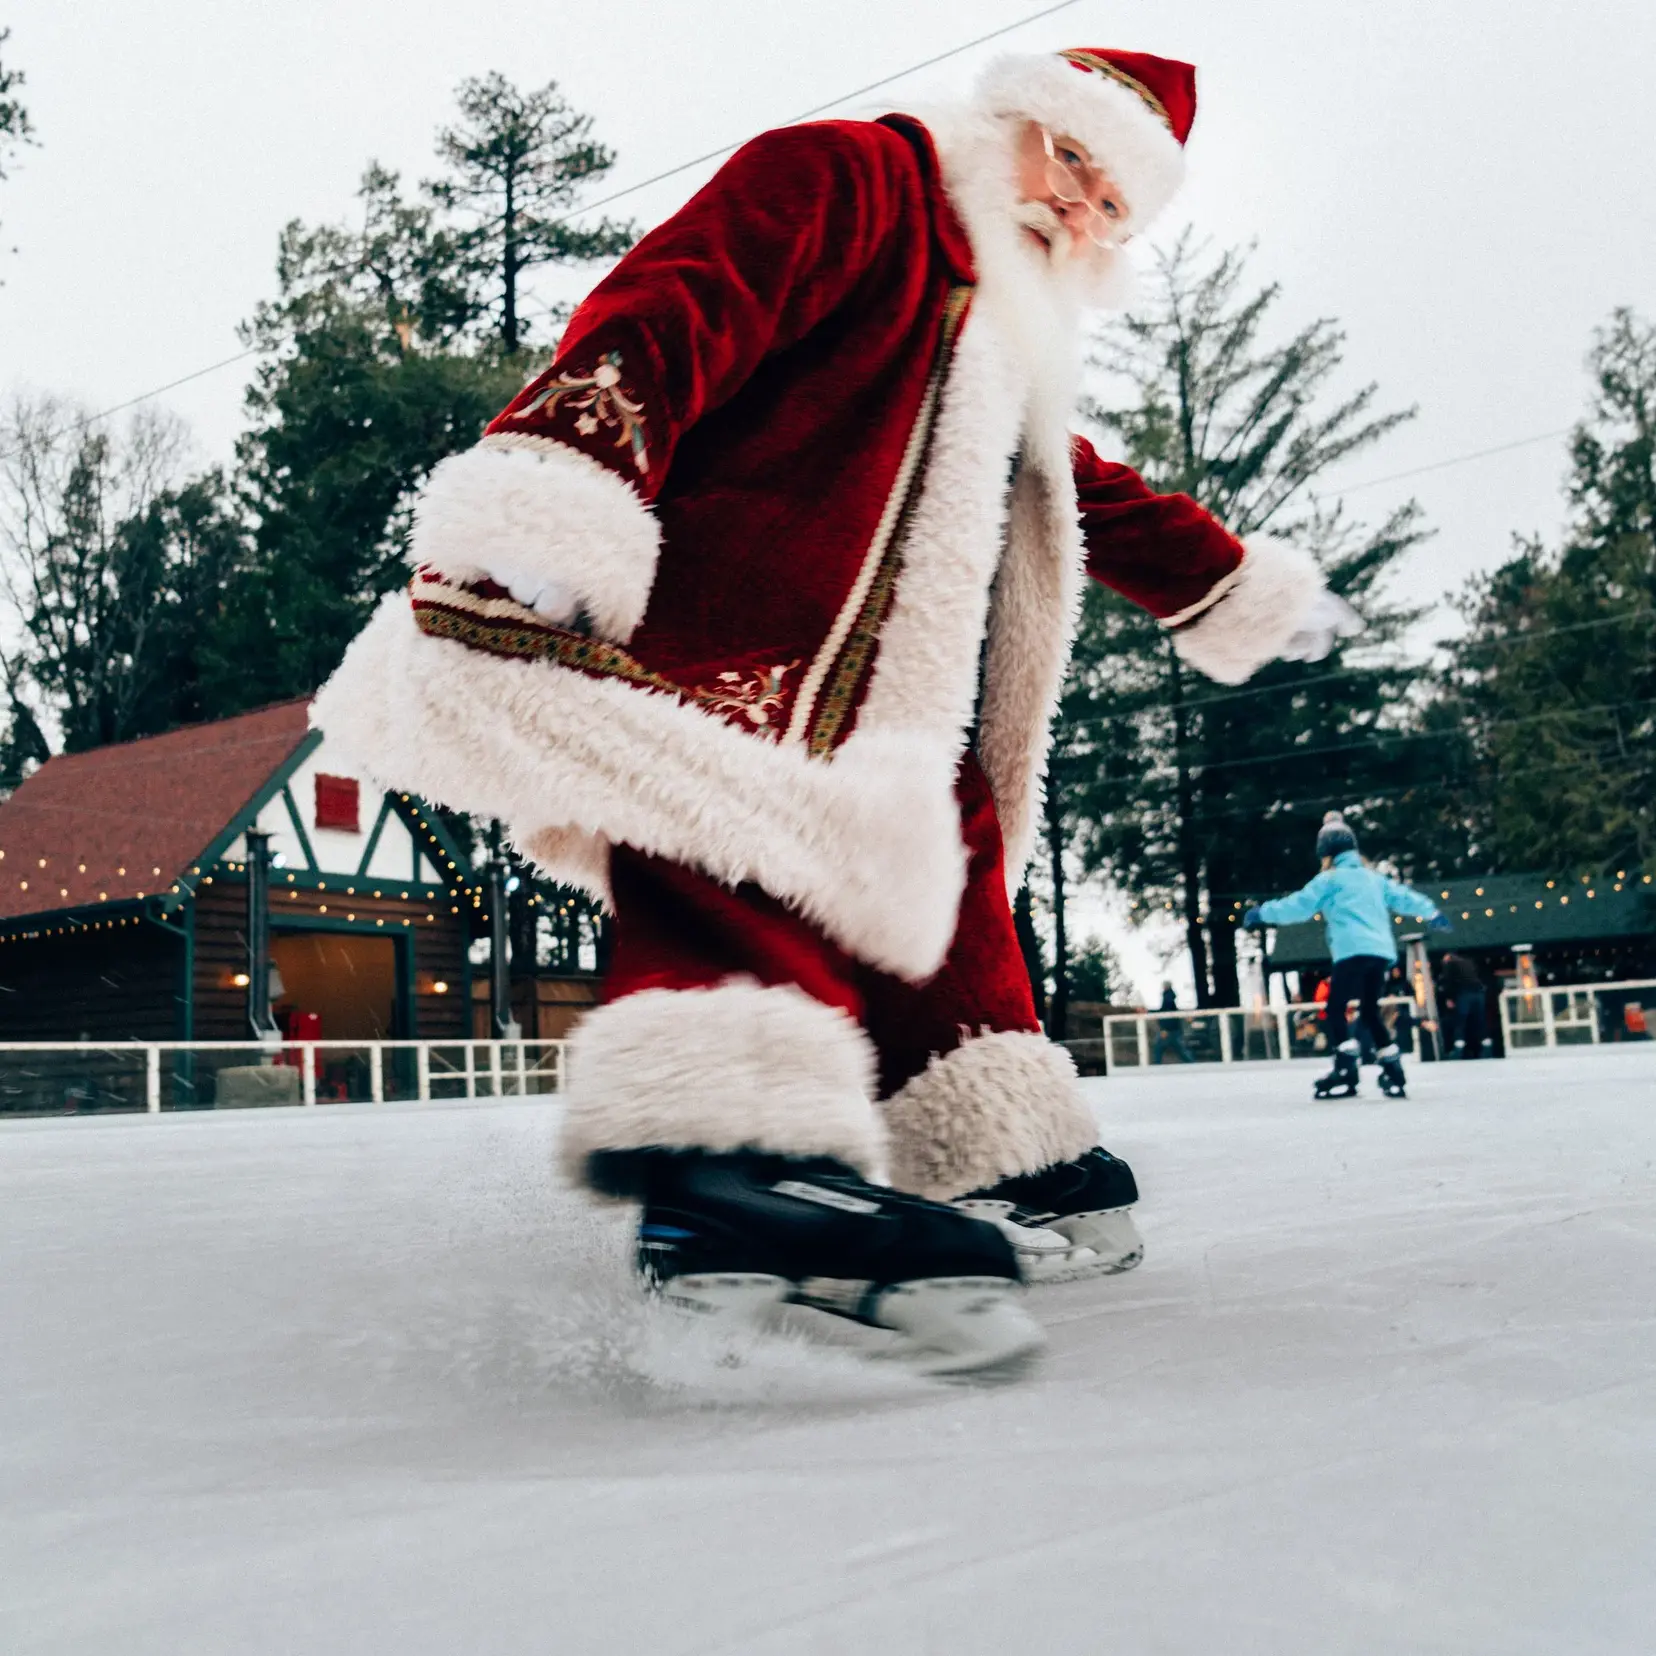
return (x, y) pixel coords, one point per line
(1110, 209)
(1070, 158)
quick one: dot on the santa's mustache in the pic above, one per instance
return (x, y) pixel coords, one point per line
(1037, 216)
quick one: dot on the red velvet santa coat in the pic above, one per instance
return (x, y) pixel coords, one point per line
(794, 463)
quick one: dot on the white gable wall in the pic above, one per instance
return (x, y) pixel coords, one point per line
(396, 854)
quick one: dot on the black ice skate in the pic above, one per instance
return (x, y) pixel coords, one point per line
(1073, 1219)
(733, 1235)
(1341, 1081)
(1392, 1080)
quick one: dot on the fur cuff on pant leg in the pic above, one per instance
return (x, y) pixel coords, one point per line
(738, 1066)
(997, 1106)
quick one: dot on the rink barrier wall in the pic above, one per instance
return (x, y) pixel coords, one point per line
(98, 1078)
(1542, 1019)
(1207, 1035)
(101, 1077)
(1548, 1017)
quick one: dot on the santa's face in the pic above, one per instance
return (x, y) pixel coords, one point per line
(1068, 203)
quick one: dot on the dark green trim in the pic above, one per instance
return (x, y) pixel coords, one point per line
(299, 828)
(326, 922)
(244, 819)
(344, 885)
(374, 835)
(424, 823)
(78, 919)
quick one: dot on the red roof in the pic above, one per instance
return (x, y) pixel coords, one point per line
(127, 821)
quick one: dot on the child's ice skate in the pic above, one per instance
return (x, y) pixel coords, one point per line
(1070, 1220)
(1392, 1080)
(732, 1235)
(1341, 1081)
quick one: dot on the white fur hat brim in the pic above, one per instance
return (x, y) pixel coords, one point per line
(1122, 133)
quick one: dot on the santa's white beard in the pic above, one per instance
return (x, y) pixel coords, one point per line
(1037, 292)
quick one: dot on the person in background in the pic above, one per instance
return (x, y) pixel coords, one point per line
(1462, 991)
(1170, 1032)
(1356, 904)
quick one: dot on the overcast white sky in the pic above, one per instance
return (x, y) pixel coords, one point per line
(1467, 184)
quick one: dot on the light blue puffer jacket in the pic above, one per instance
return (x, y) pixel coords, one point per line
(1356, 904)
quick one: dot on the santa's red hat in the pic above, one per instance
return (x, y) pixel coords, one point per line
(1132, 111)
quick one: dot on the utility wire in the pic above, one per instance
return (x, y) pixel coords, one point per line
(805, 115)
(1458, 460)
(1374, 737)
(1292, 687)
(604, 201)
(132, 402)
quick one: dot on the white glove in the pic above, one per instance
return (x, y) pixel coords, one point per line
(541, 593)
(1329, 619)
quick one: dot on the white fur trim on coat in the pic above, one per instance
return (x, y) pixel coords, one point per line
(998, 1106)
(526, 511)
(866, 844)
(1246, 619)
(1121, 132)
(737, 1066)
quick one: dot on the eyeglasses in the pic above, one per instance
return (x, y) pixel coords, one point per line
(1069, 183)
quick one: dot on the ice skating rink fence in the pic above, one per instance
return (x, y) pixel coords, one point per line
(1532, 1020)
(92, 1078)
(1585, 1014)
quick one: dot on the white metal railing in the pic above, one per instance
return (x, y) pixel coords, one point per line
(1577, 1014)
(1213, 1035)
(96, 1077)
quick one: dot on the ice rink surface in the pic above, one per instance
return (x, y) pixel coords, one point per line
(355, 1380)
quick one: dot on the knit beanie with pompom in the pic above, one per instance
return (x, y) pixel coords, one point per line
(1335, 836)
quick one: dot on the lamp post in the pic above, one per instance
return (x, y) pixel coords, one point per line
(500, 979)
(259, 1020)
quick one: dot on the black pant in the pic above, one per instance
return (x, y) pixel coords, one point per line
(1469, 1021)
(1359, 978)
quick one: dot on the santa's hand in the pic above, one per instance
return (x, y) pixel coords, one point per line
(1329, 619)
(542, 594)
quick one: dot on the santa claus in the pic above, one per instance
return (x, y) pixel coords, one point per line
(749, 614)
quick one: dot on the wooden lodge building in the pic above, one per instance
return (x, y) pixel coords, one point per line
(124, 895)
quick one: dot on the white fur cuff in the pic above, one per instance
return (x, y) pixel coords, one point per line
(998, 1106)
(734, 1067)
(1250, 615)
(527, 512)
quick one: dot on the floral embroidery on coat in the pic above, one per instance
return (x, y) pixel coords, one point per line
(756, 695)
(597, 400)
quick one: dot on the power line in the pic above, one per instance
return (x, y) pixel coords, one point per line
(1374, 737)
(1459, 460)
(806, 114)
(1294, 686)
(132, 402)
(604, 201)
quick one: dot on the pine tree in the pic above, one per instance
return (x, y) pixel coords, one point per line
(1191, 796)
(518, 162)
(390, 344)
(1554, 686)
(16, 129)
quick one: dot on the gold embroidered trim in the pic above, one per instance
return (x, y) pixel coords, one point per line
(818, 715)
(1102, 66)
(505, 628)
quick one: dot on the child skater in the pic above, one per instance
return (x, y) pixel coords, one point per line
(1356, 904)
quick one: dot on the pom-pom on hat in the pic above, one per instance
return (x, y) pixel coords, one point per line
(1335, 836)
(1133, 111)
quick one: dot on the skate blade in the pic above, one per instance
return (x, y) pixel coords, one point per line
(959, 1325)
(1104, 1243)
(734, 1297)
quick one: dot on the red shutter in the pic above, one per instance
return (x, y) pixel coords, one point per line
(336, 803)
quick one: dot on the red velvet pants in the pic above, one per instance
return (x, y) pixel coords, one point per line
(680, 929)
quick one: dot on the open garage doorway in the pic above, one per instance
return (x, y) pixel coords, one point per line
(338, 986)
